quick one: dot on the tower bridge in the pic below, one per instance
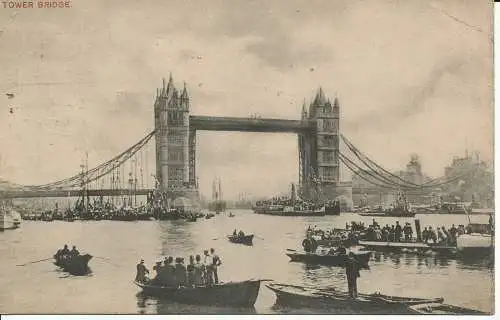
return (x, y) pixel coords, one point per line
(175, 133)
(317, 131)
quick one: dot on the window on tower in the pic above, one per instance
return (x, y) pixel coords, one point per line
(327, 173)
(327, 156)
(175, 155)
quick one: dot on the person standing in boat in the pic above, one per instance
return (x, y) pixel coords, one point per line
(397, 232)
(167, 273)
(157, 268)
(425, 235)
(352, 273)
(216, 262)
(141, 272)
(198, 272)
(208, 265)
(180, 273)
(491, 224)
(190, 271)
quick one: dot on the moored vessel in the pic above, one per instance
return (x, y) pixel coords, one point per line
(340, 301)
(336, 259)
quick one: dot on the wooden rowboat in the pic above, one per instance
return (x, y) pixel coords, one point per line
(75, 265)
(230, 294)
(337, 260)
(331, 299)
(246, 239)
(444, 309)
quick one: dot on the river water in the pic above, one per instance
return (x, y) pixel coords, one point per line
(41, 288)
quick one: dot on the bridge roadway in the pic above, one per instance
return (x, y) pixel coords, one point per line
(18, 194)
(250, 124)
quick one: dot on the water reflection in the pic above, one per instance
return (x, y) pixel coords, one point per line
(165, 306)
(109, 288)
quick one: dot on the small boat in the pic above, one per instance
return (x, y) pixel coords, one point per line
(8, 220)
(407, 247)
(337, 260)
(75, 265)
(328, 298)
(246, 239)
(444, 309)
(231, 215)
(478, 241)
(192, 219)
(230, 294)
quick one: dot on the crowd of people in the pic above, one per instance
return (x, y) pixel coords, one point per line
(199, 272)
(65, 253)
(394, 233)
(442, 236)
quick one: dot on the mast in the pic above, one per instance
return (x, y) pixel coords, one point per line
(220, 190)
(135, 181)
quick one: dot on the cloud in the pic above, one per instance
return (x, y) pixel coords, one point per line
(398, 68)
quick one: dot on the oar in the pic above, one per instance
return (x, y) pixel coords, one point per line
(107, 260)
(103, 258)
(259, 238)
(291, 250)
(31, 262)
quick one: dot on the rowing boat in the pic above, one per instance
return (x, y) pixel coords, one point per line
(409, 247)
(75, 265)
(444, 309)
(246, 239)
(337, 260)
(229, 294)
(332, 299)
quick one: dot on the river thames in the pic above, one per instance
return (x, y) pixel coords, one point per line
(118, 246)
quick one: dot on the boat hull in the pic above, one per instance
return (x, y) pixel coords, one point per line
(444, 309)
(74, 265)
(338, 260)
(247, 239)
(231, 294)
(409, 247)
(341, 303)
(475, 244)
(9, 220)
(282, 213)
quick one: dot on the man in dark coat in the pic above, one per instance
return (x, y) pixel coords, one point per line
(397, 232)
(352, 273)
(141, 272)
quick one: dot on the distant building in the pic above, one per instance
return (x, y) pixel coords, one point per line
(374, 194)
(474, 181)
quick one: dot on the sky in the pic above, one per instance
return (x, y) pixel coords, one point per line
(410, 76)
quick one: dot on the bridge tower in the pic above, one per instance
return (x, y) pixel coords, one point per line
(319, 149)
(174, 143)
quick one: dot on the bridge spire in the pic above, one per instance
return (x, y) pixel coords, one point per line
(320, 98)
(170, 86)
(336, 103)
(184, 103)
(304, 110)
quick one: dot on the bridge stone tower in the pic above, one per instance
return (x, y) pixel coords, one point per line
(319, 149)
(174, 143)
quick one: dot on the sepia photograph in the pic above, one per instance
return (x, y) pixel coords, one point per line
(247, 157)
